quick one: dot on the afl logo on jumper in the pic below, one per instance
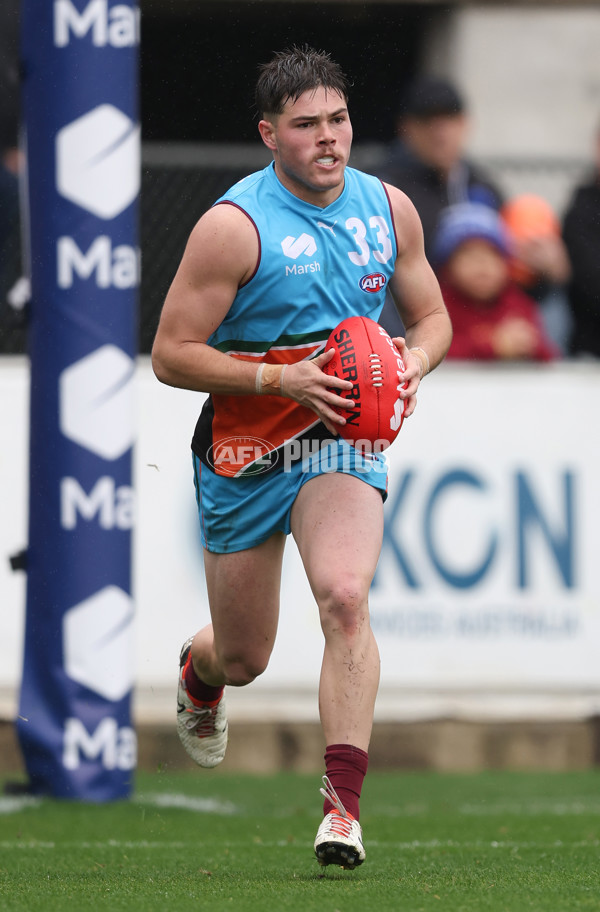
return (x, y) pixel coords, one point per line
(241, 456)
(372, 283)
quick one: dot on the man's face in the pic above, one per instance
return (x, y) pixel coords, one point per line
(438, 141)
(311, 141)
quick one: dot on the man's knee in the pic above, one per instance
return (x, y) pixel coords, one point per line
(242, 670)
(343, 606)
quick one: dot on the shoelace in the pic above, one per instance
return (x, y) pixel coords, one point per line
(339, 823)
(339, 826)
(201, 720)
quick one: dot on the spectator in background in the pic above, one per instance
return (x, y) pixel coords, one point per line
(581, 233)
(427, 161)
(540, 262)
(493, 319)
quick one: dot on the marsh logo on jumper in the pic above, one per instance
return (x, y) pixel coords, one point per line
(98, 642)
(96, 402)
(98, 161)
(295, 247)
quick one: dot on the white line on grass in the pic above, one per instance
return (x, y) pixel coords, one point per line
(415, 844)
(529, 807)
(189, 803)
(108, 844)
(15, 804)
(12, 804)
(482, 844)
(534, 807)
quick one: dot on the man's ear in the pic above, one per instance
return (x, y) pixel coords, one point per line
(267, 133)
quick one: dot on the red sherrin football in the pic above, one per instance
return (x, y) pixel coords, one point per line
(366, 355)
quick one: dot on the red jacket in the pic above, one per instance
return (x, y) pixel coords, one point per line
(474, 323)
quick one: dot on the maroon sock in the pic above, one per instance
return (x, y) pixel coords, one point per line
(346, 767)
(195, 686)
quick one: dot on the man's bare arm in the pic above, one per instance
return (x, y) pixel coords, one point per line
(221, 255)
(418, 299)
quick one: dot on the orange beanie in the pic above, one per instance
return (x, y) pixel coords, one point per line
(528, 216)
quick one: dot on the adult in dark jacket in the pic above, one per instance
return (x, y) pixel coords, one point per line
(581, 233)
(427, 158)
(427, 161)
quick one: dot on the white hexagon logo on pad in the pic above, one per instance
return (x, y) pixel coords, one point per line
(98, 643)
(96, 402)
(98, 161)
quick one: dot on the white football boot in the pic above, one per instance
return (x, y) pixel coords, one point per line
(202, 729)
(339, 838)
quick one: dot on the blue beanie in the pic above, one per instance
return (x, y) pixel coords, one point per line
(465, 222)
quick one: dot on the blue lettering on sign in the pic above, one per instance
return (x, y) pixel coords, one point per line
(455, 579)
(525, 512)
(561, 542)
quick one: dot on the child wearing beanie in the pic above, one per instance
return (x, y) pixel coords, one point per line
(540, 262)
(492, 318)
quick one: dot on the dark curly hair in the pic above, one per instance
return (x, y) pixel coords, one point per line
(294, 71)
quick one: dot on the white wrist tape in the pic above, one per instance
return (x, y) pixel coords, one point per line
(424, 359)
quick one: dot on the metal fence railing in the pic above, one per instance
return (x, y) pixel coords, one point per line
(181, 181)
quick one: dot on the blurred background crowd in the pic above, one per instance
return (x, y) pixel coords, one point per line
(518, 284)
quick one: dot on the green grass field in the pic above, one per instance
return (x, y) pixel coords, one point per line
(218, 841)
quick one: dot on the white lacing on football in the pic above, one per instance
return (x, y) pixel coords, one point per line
(376, 369)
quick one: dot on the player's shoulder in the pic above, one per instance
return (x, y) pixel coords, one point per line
(239, 207)
(364, 178)
(246, 187)
(403, 209)
(398, 197)
(224, 241)
(222, 221)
